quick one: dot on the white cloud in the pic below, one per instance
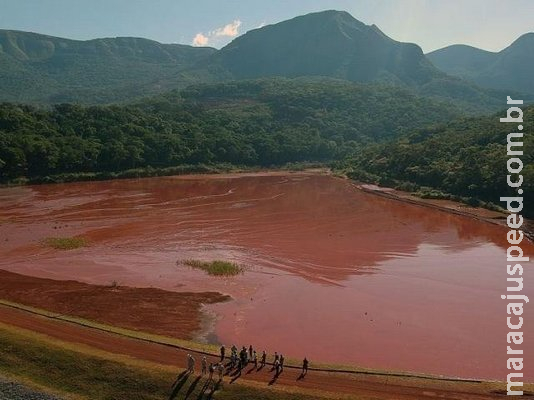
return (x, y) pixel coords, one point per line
(200, 40)
(229, 30)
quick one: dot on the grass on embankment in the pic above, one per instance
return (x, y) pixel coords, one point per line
(215, 268)
(81, 372)
(65, 243)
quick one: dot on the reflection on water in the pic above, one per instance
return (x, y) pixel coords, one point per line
(332, 272)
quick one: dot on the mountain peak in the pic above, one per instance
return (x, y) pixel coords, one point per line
(339, 14)
(328, 43)
(526, 39)
(328, 17)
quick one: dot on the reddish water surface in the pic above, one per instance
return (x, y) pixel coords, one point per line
(332, 273)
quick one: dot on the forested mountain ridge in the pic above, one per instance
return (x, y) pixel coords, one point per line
(330, 44)
(47, 69)
(336, 45)
(509, 69)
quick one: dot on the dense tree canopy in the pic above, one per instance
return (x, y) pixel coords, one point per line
(466, 157)
(266, 122)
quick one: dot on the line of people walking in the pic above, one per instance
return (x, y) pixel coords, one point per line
(237, 360)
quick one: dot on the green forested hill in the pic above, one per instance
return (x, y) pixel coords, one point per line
(266, 122)
(334, 44)
(330, 44)
(509, 69)
(466, 157)
(47, 69)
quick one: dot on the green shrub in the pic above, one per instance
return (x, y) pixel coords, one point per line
(216, 268)
(65, 243)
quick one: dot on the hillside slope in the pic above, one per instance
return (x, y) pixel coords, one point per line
(328, 44)
(465, 157)
(43, 68)
(509, 69)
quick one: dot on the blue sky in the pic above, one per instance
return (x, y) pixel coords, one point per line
(488, 24)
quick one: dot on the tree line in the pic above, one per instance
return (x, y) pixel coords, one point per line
(251, 123)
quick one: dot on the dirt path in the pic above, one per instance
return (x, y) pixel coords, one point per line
(364, 385)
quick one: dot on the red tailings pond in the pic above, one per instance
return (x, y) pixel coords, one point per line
(331, 273)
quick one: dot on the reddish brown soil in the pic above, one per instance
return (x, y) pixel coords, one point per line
(379, 388)
(174, 314)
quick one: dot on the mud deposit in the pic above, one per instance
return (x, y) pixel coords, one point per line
(331, 272)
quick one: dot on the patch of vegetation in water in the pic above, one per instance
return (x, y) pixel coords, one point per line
(65, 243)
(215, 268)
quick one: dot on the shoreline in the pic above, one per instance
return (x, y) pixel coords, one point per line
(210, 350)
(151, 172)
(448, 206)
(137, 359)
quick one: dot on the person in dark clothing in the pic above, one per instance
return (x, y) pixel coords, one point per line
(281, 363)
(204, 366)
(243, 357)
(263, 358)
(223, 352)
(304, 366)
(250, 349)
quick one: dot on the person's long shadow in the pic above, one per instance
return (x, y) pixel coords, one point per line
(204, 388)
(250, 370)
(301, 376)
(178, 384)
(236, 376)
(192, 387)
(214, 389)
(228, 370)
(273, 381)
